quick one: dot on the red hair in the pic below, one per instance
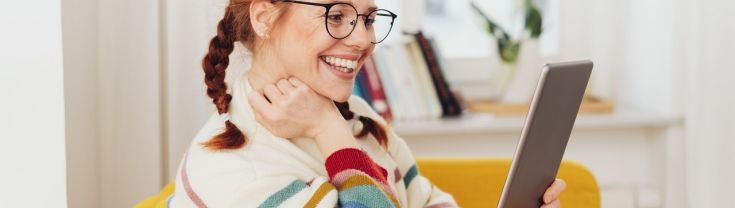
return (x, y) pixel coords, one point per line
(235, 27)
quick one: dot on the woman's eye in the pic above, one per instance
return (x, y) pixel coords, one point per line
(335, 18)
(369, 21)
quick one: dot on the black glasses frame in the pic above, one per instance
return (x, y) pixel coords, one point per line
(364, 18)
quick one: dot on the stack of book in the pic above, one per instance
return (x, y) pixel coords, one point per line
(404, 81)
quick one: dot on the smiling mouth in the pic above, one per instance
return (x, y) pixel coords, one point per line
(342, 65)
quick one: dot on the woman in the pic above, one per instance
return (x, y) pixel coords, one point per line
(288, 133)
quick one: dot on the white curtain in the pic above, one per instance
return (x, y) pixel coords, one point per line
(710, 158)
(711, 117)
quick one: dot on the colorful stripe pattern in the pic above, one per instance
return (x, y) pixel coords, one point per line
(410, 175)
(320, 193)
(279, 197)
(359, 181)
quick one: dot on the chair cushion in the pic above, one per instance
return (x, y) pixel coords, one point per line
(478, 182)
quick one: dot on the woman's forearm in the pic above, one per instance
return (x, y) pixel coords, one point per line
(336, 135)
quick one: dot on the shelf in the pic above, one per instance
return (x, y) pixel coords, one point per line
(483, 123)
(590, 105)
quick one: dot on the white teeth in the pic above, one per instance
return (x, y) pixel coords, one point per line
(350, 64)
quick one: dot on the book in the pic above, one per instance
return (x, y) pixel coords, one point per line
(388, 84)
(450, 106)
(363, 88)
(409, 98)
(356, 89)
(424, 82)
(379, 102)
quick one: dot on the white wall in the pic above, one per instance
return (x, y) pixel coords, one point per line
(32, 149)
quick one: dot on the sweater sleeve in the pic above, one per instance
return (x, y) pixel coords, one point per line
(354, 181)
(420, 191)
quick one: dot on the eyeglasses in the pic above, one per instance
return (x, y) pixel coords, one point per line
(341, 19)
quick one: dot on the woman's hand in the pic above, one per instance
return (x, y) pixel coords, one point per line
(551, 197)
(290, 109)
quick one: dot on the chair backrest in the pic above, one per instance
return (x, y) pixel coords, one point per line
(478, 182)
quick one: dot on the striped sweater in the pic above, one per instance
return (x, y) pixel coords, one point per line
(276, 172)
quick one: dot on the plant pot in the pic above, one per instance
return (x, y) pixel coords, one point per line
(521, 77)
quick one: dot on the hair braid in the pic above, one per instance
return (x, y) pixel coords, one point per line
(214, 65)
(368, 124)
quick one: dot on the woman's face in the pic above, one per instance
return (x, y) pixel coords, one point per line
(308, 52)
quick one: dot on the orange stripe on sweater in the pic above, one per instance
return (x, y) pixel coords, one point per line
(322, 191)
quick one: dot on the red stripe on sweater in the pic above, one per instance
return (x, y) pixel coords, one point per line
(351, 158)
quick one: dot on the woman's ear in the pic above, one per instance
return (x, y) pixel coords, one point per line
(262, 17)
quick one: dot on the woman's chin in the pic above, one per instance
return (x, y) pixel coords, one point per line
(341, 95)
(341, 98)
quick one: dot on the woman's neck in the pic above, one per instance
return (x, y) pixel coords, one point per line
(262, 73)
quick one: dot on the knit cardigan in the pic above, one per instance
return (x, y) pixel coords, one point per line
(276, 172)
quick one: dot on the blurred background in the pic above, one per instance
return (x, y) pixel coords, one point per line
(100, 97)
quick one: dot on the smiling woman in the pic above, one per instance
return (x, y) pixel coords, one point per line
(288, 133)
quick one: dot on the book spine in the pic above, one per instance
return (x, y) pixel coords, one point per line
(356, 89)
(389, 84)
(364, 88)
(424, 81)
(449, 103)
(379, 100)
(410, 99)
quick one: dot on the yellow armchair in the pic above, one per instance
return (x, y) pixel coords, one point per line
(478, 182)
(461, 176)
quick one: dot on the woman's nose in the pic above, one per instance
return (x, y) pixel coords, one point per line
(361, 38)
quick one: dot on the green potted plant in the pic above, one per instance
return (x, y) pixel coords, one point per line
(518, 53)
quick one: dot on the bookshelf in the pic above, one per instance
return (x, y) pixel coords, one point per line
(590, 105)
(488, 124)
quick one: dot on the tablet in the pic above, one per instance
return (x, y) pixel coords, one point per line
(545, 134)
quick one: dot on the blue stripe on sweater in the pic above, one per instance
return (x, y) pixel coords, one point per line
(354, 204)
(284, 194)
(168, 201)
(410, 175)
(365, 195)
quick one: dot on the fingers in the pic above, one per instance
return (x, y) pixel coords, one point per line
(295, 82)
(259, 104)
(280, 90)
(553, 192)
(553, 204)
(285, 86)
(273, 93)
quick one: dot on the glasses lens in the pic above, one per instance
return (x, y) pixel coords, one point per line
(341, 20)
(380, 22)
